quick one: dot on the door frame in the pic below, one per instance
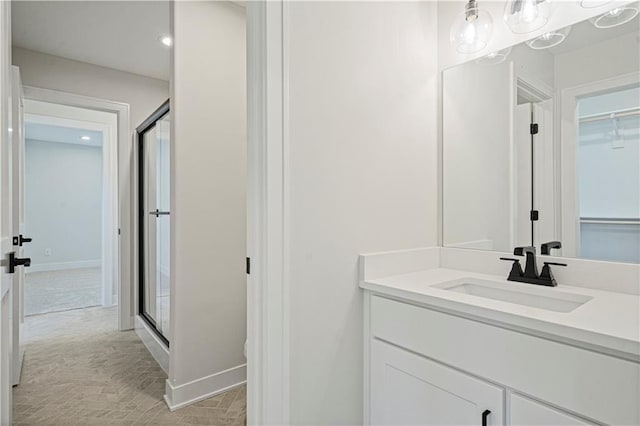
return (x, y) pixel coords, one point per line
(568, 110)
(48, 115)
(268, 232)
(121, 167)
(140, 131)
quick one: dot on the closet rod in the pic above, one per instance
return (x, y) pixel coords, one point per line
(611, 220)
(610, 115)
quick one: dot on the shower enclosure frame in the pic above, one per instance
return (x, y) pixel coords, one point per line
(141, 130)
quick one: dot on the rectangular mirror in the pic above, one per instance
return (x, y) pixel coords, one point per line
(541, 144)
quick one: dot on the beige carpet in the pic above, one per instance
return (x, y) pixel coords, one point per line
(62, 290)
(79, 370)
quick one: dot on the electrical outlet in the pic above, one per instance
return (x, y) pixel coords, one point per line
(47, 252)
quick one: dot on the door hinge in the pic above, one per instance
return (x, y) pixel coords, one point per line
(534, 215)
(248, 265)
(118, 231)
(533, 128)
(20, 240)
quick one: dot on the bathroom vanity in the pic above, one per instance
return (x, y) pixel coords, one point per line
(540, 156)
(445, 344)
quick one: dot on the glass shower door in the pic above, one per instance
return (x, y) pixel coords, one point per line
(154, 198)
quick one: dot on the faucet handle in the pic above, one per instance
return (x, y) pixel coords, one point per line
(555, 263)
(516, 269)
(546, 247)
(547, 276)
(521, 251)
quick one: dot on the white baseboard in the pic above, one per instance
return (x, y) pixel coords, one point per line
(159, 351)
(47, 267)
(180, 396)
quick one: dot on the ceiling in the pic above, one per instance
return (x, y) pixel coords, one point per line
(586, 34)
(117, 34)
(61, 134)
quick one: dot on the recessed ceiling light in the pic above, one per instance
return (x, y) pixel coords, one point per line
(85, 138)
(166, 40)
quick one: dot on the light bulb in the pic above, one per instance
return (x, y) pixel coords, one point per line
(471, 30)
(529, 11)
(615, 12)
(470, 33)
(525, 16)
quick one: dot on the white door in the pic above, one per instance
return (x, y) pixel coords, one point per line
(526, 412)
(6, 229)
(19, 238)
(408, 389)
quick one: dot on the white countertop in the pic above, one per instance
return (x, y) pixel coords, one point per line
(608, 323)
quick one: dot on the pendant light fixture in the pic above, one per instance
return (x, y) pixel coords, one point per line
(471, 30)
(614, 17)
(525, 16)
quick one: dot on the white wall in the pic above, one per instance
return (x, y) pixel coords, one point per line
(143, 94)
(208, 206)
(63, 203)
(363, 177)
(615, 57)
(477, 202)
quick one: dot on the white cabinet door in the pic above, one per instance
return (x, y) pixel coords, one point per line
(407, 389)
(526, 412)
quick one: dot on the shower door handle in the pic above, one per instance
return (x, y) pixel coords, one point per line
(158, 213)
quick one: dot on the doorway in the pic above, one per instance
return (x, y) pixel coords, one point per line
(73, 232)
(608, 174)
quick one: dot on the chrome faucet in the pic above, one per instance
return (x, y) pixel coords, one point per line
(530, 274)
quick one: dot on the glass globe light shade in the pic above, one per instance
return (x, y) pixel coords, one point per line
(588, 4)
(549, 39)
(616, 16)
(494, 58)
(525, 16)
(471, 30)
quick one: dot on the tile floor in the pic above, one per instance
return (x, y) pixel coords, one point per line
(79, 370)
(62, 290)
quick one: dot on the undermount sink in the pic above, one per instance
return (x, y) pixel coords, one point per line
(548, 298)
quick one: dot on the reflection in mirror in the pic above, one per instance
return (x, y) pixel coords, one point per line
(541, 144)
